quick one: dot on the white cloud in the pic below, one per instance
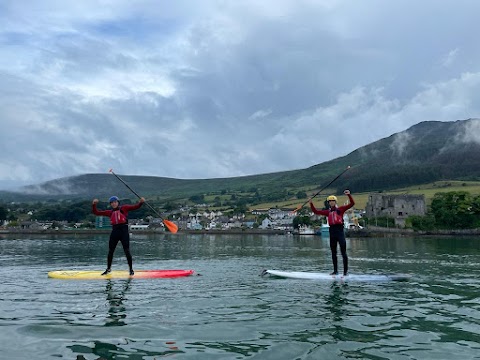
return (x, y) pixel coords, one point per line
(400, 143)
(472, 133)
(449, 59)
(260, 114)
(218, 89)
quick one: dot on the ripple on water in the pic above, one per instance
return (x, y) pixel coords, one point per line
(232, 313)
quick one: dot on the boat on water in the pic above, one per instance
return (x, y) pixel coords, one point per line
(324, 230)
(305, 230)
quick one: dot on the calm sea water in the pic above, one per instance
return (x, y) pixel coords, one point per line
(230, 312)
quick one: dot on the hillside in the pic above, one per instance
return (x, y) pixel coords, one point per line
(425, 153)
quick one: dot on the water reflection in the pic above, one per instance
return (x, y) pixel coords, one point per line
(107, 351)
(117, 310)
(243, 349)
(336, 300)
(230, 313)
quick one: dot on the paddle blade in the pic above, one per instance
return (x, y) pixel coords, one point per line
(296, 209)
(301, 206)
(172, 227)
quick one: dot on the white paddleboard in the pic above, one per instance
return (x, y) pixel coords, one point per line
(328, 277)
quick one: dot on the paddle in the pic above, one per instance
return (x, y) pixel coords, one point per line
(171, 226)
(319, 191)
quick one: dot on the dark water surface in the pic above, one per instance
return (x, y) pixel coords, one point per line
(230, 312)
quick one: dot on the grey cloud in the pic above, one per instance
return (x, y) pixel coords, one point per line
(225, 89)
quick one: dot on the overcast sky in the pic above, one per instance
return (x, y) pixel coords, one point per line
(223, 88)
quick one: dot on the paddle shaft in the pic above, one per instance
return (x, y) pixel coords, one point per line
(323, 188)
(133, 191)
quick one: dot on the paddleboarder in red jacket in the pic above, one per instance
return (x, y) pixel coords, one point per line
(334, 216)
(119, 219)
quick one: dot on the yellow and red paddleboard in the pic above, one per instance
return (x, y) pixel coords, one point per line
(118, 274)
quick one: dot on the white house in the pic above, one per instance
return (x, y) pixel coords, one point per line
(266, 223)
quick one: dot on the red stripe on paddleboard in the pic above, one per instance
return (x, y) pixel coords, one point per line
(162, 273)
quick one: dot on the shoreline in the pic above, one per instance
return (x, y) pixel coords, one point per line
(360, 233)
(143, 232)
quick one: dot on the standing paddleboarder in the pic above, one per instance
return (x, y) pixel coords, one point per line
(334, 215)
(119, 218)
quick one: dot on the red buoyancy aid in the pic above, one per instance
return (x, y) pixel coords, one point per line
(118, 217)
(335, 217)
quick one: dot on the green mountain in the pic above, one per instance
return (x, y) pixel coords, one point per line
(427, 152)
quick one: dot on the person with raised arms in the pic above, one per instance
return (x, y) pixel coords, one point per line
(119, 219)
(334, 214)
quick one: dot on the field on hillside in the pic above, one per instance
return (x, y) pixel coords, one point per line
(428, 190)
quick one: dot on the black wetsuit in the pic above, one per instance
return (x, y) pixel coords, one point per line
(119, 220)
(119, 233)
(337, 236)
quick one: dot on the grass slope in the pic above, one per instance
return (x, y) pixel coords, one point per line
(428, 190)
